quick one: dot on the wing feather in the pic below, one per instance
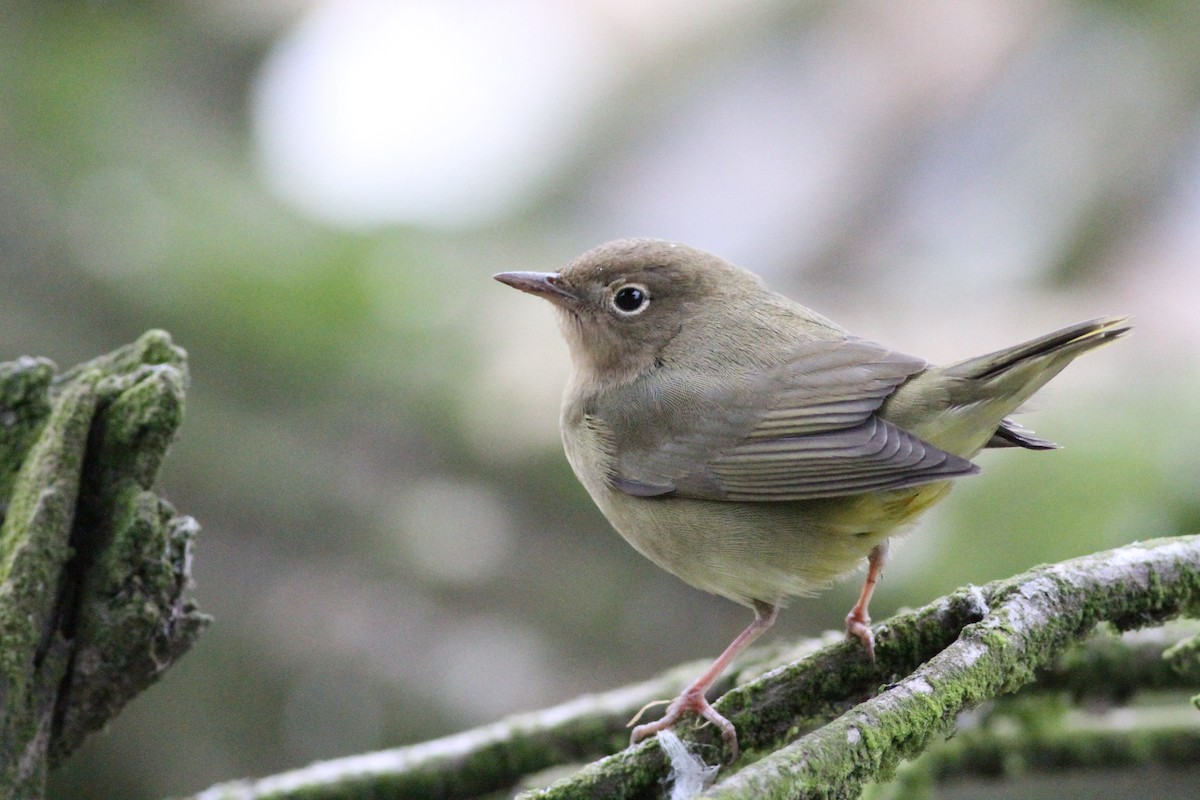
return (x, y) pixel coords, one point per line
(803, 429)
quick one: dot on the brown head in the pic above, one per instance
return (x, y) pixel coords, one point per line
(623, 302)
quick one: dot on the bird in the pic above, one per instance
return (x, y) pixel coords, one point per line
(754, 448)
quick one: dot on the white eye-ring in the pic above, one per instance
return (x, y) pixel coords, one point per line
(630, 299)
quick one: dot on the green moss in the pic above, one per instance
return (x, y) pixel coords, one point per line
(34, 550)
(988, 752)
(24, 408)
(1184, 657)
(92, 564)
(151, 348)
(1032, 618)
(131, 619)
(810, 736)
(132, 549)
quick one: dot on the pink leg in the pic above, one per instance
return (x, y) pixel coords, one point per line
(858, 620)
(692, 698)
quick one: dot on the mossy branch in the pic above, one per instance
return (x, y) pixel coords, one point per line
(92, 563)
(813, 719)
(1030, 621)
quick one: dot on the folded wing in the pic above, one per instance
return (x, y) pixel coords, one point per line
(802, 429)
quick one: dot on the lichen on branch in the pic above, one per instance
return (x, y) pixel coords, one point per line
(93, 564)
(818, 719)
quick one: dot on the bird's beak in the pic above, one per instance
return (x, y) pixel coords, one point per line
(543, 284)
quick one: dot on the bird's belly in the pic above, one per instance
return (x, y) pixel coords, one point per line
(744, 551)
(762, 551)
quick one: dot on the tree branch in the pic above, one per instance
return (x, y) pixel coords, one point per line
(988, 753)
(1032, 619)
(804, 724)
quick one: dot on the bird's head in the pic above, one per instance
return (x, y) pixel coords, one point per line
(622, 303)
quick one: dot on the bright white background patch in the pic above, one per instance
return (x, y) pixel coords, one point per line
(379, 111)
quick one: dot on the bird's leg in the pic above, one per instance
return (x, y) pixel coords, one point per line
(692, 698)
(858, 620)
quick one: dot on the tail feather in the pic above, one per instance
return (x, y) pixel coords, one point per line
(1066, 344)
(964, 407)
(1010, 434)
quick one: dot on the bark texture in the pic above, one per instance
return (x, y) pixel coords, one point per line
(93, 564)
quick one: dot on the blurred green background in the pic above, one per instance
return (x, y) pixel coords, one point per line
(312, 197)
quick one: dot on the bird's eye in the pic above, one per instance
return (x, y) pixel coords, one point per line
(631, 299)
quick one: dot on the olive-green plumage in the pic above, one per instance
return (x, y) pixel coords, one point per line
(751, 446)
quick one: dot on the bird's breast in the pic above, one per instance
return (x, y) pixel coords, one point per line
(745, 551)
(587, 442)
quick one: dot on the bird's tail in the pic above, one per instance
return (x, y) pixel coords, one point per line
(1041, 355)
(976, 395)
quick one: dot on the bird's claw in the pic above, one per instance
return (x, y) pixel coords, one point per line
(684, 703)
(858, 626)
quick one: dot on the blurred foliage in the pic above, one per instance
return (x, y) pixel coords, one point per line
(393, 545)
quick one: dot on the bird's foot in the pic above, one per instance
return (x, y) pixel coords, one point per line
(858, 626)
(689, 701)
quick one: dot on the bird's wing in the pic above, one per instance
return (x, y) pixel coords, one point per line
(803, 429)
